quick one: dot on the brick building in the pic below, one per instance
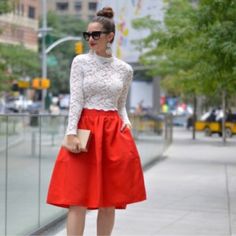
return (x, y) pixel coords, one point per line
(21, 25)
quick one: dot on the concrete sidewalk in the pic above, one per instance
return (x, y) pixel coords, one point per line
(191, 193)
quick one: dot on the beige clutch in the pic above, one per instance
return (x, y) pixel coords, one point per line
(84, 136)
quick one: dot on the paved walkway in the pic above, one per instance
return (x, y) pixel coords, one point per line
(191, 193)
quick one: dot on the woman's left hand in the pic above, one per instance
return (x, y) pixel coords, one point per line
(125, 126)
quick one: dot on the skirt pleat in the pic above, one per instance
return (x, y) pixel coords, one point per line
(108, 175)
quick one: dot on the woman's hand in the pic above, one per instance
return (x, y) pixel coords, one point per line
(124, 126)
(72, 143)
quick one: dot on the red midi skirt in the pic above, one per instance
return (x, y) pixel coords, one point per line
(108, 175)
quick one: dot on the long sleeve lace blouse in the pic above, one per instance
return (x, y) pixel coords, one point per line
(98, 83)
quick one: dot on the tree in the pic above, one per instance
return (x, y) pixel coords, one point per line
(195, 48)
(217, 22)
(16, 62)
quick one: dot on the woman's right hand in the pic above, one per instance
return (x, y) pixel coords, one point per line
(72, 143)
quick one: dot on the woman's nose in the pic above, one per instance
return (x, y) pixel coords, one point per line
(91, 38)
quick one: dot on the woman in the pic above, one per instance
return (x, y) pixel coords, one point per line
(109, 176)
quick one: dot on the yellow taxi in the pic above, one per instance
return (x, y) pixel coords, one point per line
(211, 125)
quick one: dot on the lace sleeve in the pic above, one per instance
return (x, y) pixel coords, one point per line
(76, 96)
(122, 100)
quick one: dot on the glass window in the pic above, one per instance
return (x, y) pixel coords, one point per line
(62, 6)
(92, 6)
(31, 13)
(78, 6)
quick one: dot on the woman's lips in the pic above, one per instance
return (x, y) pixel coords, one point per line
(92, 44)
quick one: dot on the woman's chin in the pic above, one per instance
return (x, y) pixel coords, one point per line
(93, 47)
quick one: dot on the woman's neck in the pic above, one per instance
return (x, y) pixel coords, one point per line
(103, 54)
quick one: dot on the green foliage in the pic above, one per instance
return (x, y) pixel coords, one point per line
(62, 26)
(195, 48)
(5, 6)
(16, 62)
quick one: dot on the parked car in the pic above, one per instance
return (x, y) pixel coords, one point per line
(211, 123)
(22, 105)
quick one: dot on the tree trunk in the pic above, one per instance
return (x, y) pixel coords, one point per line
(156, 95)
(224, 116)
(194, 115)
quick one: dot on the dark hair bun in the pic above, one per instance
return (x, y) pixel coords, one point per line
(106, 12)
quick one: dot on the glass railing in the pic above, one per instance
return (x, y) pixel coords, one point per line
(153, 134)
(28, 148)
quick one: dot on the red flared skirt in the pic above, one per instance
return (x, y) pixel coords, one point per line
(108, 175)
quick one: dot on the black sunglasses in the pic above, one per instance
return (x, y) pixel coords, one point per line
(95, 34)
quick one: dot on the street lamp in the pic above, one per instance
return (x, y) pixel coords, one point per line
(43, 32)
(45, 51)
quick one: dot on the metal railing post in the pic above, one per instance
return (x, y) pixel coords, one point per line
(6, 177)
(39, 171)
(33, 144)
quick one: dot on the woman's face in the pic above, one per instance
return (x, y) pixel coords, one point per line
(99, 42)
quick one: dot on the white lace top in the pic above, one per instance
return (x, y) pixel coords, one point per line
(98, 83)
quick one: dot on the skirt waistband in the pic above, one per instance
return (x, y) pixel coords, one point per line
(95, 112)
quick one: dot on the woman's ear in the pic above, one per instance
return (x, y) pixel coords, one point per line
(111, 36)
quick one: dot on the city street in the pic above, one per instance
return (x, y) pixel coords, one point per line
(164, 68)
(191, 193)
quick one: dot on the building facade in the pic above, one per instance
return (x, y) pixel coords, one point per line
(83, 9)
(21, 25)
